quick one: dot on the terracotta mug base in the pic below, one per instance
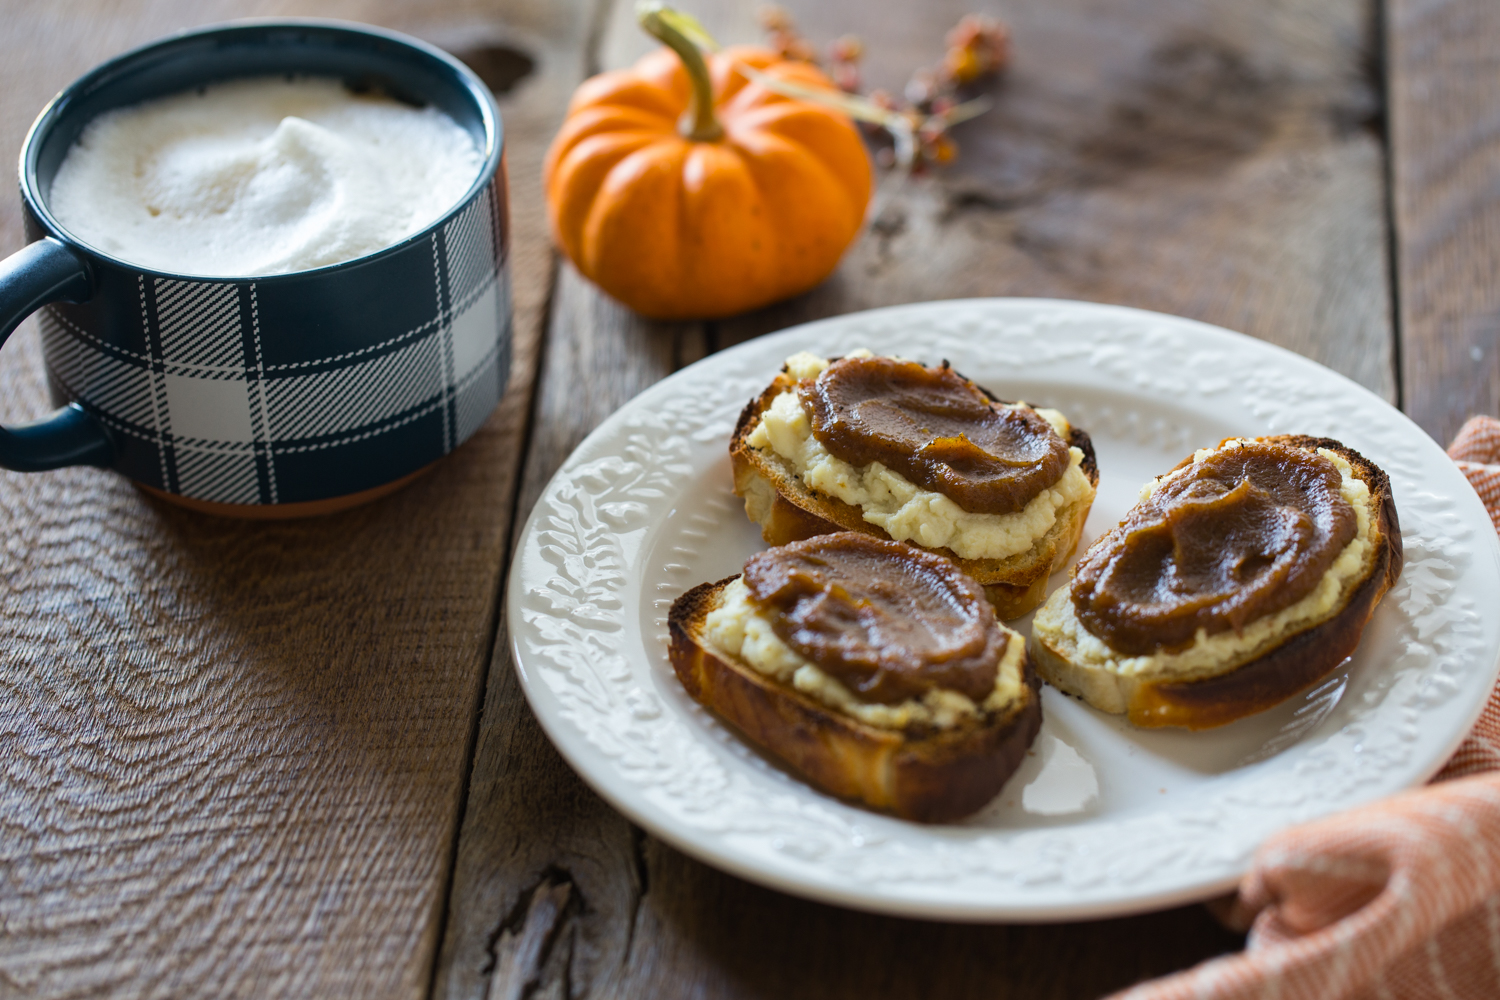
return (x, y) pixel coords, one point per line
(285, 511)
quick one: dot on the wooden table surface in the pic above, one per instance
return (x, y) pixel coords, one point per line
(293, 760)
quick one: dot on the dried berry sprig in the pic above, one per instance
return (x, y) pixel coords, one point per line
(844, 55)
(918, 130)
(978, 48)
(782, 35)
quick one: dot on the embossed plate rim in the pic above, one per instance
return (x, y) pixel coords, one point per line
(586, 667)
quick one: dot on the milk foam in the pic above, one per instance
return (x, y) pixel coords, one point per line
(260, 176)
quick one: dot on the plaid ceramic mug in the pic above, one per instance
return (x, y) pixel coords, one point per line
(280, 395)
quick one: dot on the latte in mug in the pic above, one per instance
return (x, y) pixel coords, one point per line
(260, 292)
(261, 176)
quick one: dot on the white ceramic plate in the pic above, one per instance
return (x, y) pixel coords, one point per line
(1102, 818)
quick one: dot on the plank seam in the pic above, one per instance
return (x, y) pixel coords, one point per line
(1381, 46)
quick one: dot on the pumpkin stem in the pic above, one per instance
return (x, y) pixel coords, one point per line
(699, 124)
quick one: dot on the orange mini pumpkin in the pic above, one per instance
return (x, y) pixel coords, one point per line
(688, 191)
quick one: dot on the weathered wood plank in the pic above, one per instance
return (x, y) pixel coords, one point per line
(1443, 59)
(1212, 160)
(531, 825)
(235, 753)
(701, 933)
(1215, 161)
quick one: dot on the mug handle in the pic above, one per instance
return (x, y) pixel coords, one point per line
(39, 273)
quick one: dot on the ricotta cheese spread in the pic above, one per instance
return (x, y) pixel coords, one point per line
(890, 501)
(735, 628)
(1211, 654)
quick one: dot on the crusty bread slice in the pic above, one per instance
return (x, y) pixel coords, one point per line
(787, 511)
(1260, 677)
(932, 775)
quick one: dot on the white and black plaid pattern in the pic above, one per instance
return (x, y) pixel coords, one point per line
(220, 418)
(199, 327)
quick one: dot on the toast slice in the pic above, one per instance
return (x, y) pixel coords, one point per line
(928, 774)
(787, 511)
(1254, 678)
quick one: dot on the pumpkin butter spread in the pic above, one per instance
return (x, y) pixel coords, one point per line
(890, 635)
(1249, 542)
(924, 454)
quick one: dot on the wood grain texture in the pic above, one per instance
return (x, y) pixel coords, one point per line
(234, 754)
(1443, 61)
(1214, 160)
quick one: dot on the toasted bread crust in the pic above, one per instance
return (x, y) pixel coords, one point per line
(1296, 663)
(789, 512)
(932, 776)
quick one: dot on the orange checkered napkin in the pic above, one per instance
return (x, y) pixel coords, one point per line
(1398, 899)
